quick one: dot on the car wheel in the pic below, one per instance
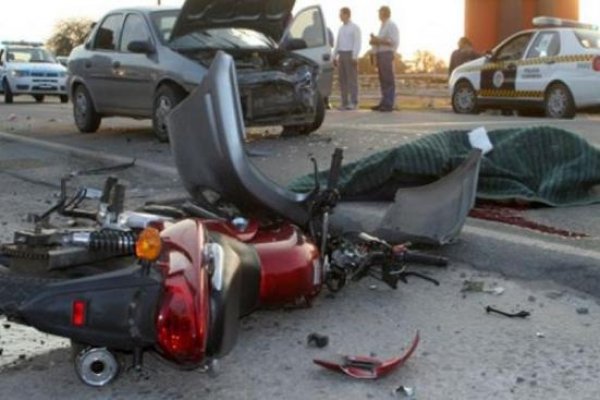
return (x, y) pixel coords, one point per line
(166, 98)
(464, 99)
(559, 102)
(39, 98)
(84, 112)
(64, 98)
(8, 96)
(307, 129)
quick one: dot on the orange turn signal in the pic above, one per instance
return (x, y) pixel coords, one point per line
(148, 245)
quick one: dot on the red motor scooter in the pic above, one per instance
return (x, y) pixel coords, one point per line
(175, 278)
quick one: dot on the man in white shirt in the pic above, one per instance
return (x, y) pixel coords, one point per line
(345, 58)
(385, 45)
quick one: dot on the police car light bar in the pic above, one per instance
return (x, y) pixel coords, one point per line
(22, 43)
(544, 21)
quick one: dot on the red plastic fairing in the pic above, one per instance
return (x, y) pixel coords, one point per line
(184, 314)
(367, 367)
(291, 271)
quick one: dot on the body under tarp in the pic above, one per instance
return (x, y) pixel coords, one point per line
(536, 164)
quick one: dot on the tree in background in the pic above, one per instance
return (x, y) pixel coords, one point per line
(68, 34)
(426, 62)
(367, 64)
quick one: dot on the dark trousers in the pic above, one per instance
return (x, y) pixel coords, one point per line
(348, 75)
(387, 80)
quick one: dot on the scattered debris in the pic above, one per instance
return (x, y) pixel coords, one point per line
(531, 299)
(367, 367)
(12, 117)
(317, 340)
(520, 380)
(479, 287)
(540, 335)
(583, 311)
(520, 314)
(405, 391)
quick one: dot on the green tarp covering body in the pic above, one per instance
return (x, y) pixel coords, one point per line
(537, 164)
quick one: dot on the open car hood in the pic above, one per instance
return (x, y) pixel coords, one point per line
(269, 17)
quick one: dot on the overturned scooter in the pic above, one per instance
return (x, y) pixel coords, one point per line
(175, 279)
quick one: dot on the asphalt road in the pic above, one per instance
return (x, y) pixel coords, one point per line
(465, 354)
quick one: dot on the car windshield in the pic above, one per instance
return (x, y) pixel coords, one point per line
(588, 39)
(164, 21)
(29, 55)
(217, 38)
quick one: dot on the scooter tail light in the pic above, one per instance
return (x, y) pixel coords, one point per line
(182, 327)
(596, 64)
(78, 313)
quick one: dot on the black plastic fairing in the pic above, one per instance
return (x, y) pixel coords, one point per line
(120, 309)
(207, 138)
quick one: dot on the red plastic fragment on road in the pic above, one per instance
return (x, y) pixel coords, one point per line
(367, 367)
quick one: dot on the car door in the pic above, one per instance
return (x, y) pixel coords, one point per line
(99, 69)
(309, 25)
(540, 65)
(134, 71)
(499, 73)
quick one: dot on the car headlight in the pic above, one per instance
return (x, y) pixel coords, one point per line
(62, 74)
(19, 73)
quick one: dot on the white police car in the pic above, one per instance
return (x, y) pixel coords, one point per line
(554, 68)
(28, 68)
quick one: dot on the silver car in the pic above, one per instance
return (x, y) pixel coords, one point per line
(141, 62)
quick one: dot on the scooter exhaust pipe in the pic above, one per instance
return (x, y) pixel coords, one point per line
(96, 367)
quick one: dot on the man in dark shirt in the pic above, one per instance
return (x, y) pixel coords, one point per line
(463, 54)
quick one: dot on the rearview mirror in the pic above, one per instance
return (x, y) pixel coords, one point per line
(140, 47)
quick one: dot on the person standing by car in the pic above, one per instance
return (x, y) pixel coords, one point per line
(385, 45)
(345, 58)
(463, 54)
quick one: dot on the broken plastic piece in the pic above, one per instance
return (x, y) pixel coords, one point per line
(367, 367)
(317, 340)
(405, 391)
(520, 314)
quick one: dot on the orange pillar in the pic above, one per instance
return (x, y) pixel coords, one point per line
(487, 22)
(481, 23)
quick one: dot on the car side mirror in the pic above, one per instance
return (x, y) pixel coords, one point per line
(294, 44)
(140, 47)
(489, 55)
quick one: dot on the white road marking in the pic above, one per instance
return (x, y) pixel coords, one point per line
(454, 123)
(96, 155)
